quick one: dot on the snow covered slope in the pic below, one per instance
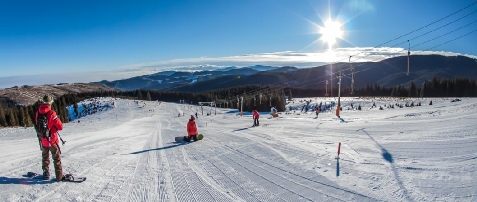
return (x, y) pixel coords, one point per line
(424, 153)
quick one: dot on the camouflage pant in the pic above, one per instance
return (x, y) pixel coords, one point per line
(55, 153)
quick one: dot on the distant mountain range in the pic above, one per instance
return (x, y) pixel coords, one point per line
(174, 79)
(386, 73)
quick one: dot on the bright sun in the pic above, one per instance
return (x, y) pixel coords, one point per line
(330, 32)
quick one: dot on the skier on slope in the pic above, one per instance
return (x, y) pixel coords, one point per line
(49, 144)
(317, 110)
(192, 131)
(255, 116)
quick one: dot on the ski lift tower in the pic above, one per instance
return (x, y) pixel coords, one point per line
(211, 104)
(339, 103)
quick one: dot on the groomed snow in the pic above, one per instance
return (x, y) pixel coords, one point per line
(424, 153)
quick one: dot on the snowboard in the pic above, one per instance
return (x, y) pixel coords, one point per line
(181, 138)
(68, 177)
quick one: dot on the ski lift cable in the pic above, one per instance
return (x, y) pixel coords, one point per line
(468, 6)
(444, 34)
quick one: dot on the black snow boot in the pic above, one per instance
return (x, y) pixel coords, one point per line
(46, 175)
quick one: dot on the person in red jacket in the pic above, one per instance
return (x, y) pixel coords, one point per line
(50, 144)
(191, 130)
(255, 116)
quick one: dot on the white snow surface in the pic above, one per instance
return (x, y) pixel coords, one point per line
(128, 153)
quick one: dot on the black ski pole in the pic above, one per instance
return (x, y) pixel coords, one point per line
(39, 142)
(62, 141)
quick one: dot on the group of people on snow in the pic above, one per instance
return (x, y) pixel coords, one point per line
(50, 143)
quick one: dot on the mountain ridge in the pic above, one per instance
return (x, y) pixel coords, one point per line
(386, 73)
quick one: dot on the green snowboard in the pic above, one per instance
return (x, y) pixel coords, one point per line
(181, 138)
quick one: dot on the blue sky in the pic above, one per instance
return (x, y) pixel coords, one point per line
(72, 39)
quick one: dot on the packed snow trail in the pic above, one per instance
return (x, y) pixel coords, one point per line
(128, 154)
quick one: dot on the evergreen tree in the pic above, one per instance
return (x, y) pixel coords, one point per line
(3, 120)
(148, 96)
(421, 94)
(139, 95)
(28, 119)
(21, 118)
(63, 101)
(412, 90)
(12, 120)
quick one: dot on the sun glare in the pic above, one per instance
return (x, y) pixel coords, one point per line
(330, 32)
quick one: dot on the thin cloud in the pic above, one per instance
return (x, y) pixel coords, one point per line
(278, 59)
(286, 58)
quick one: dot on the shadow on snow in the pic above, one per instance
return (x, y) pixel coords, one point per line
(25, 180)
(174, 144)
(388, 157)
(240, 129)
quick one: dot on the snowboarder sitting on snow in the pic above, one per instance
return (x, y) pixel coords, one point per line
(49, 144)
(255, 116)
(191, 130)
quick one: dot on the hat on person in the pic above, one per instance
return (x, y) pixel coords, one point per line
(192, 117)
(47, 99)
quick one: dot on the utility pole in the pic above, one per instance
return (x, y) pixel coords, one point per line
(331, 80)
(241, 106)
(352, 76)
(408, 53)
(339, 103)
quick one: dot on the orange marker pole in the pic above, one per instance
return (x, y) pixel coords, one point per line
(339, 147)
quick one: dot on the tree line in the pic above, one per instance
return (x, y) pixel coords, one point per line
(458, 87)
(245, 98)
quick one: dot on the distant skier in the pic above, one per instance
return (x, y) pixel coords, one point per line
(255, 116)
(47, 125)
(317, 110)
(196, 115)
(191, 130)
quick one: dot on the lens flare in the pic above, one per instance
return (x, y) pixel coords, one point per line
(330, 32)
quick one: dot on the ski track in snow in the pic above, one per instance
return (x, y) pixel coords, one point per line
(425, 153)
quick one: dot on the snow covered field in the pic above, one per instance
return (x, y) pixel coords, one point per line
(425, 153)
